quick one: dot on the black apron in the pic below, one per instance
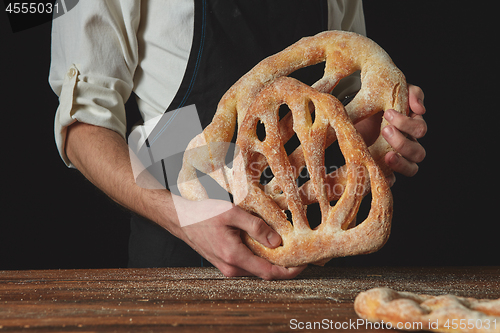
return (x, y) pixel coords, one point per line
(230, 37)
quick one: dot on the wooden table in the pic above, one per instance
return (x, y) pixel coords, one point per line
(201, 299)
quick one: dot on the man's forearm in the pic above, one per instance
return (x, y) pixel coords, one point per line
(102, 156)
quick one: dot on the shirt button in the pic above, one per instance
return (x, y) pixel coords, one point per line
(71, 73)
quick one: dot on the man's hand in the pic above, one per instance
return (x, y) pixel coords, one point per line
(403, 132)
(218, 239)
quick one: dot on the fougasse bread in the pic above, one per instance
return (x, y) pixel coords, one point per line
(318, 119)
(444, 313)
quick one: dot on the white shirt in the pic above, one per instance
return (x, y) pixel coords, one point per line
(102, 50)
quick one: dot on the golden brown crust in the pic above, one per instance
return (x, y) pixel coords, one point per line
(256, 97)
(445, 313)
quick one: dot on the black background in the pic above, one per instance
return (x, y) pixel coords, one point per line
(51, 217)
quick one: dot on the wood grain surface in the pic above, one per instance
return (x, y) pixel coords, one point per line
(202, 299)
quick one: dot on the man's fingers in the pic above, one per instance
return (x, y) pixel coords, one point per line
(284, 273)
(408, 151)
(409, 148)
(414, 126)
(256, 228)
(274, 273)
(255, 265)
(239, 260)
(400, 164)
(416, 99)
(218, 239)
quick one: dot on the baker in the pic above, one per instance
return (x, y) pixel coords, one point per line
(177, 53)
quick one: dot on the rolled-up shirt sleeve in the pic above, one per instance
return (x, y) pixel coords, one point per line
(94, 57)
